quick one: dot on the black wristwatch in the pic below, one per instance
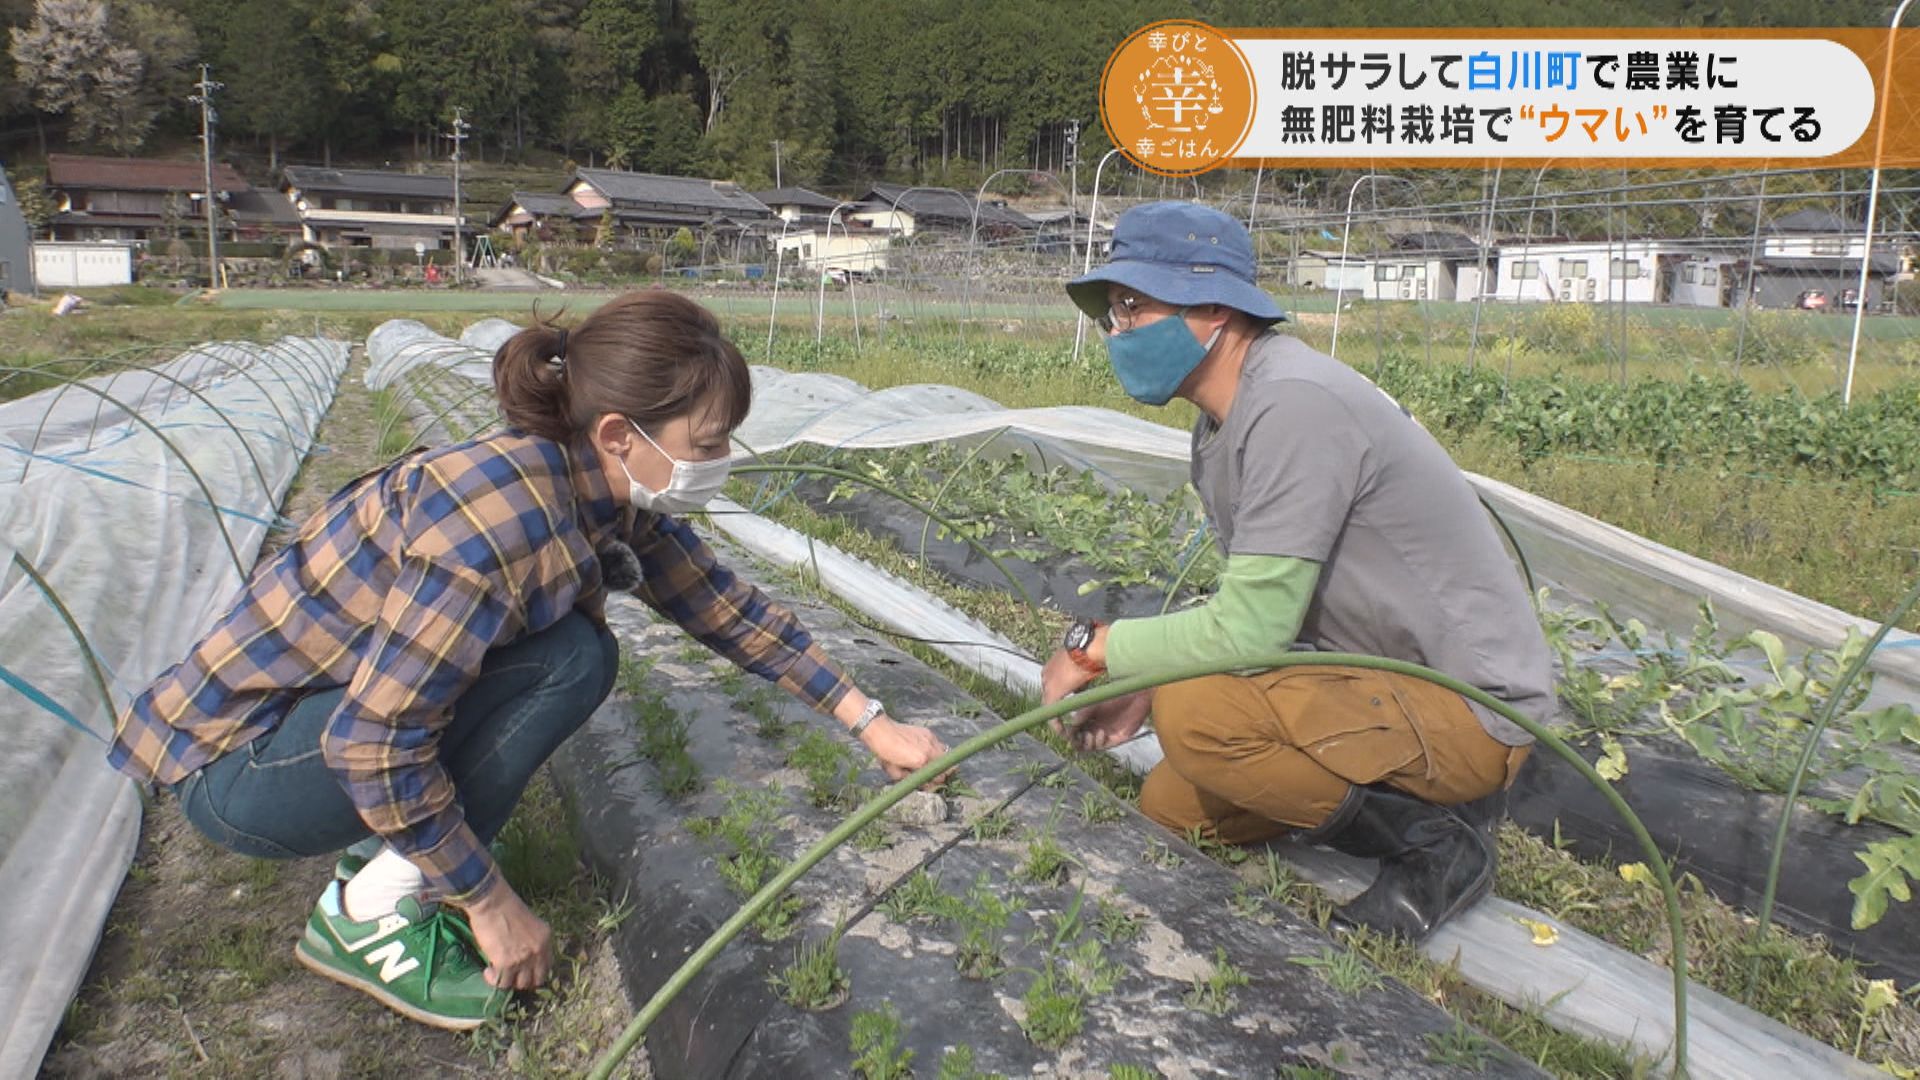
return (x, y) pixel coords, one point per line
(1079, 638)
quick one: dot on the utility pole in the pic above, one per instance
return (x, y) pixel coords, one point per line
(204, 98)
(458, 135)
(1073, 168)
(776, 163)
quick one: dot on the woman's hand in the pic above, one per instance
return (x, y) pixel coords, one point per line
(901, 748)
(516, 943)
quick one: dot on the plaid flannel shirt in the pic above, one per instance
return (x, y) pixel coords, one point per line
(397, 588)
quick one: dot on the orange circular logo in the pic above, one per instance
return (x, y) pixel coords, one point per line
(1177, 98)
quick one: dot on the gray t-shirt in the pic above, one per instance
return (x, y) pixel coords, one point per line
(1316, 462)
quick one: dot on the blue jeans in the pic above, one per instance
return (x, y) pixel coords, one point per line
(275, 797)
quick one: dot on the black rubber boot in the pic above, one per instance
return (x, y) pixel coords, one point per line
(1433, 865)
(1485, 814)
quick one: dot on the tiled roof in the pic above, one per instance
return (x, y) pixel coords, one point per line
(369, 182)
(679, 192)
(797, 196)
(945, 204)
(83, 172)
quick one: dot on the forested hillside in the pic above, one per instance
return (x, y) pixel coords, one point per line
(850, 89)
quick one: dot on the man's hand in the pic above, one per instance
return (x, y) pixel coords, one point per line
(901, 748)
(1109, 723)
(1061, 677)
(516, 943)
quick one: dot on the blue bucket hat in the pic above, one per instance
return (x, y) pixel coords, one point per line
(1179, 253)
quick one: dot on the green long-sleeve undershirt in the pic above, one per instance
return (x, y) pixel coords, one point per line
(1257, 610)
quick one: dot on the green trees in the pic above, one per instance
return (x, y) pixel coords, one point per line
(926, 91)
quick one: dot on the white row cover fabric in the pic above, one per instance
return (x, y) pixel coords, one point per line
(488, 335)
(96, 494)
(399, 346)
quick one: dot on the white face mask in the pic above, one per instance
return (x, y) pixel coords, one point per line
(692, 485)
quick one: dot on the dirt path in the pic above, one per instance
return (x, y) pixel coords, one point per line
(195, 975)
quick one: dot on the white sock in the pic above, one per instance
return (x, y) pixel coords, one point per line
(378, 887)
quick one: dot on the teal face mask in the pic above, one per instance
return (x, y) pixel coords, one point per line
(1153, 360)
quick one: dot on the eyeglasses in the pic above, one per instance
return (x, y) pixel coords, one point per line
(1120, 316)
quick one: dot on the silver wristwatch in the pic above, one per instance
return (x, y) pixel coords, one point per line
(873, 709)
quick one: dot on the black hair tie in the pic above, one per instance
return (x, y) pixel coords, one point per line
(560, 350)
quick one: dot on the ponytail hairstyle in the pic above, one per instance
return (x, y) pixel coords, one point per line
(650, 355)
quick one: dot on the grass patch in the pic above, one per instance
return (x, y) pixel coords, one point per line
(981, 916)
(390, 418)
(564, 1024)
(814, 981)
(768, 724)
(1213, 993)
(875, 837)
(249, 956)
(833, 775)
(875, 1039)
(747, 828)
(1459, 1047)
(916, 899)
(1046, 862)
(995, 825)
(957, 1064)
(663, 734)
(1115, 924)
(1100, 808)
(664, 740)
(1803, 984)
(1158, 853)
(1055, 1011)
(1347, 972)
(1836, 543)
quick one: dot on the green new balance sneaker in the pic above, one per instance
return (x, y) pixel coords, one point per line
(422, 965)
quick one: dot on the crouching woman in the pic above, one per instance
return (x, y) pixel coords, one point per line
(394, 676)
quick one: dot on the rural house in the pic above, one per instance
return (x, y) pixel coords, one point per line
(370, 208)
(818, 233)
(543, 216)
(843, 249)
(137, 200)
(794, 203)
(1598, 271)
(1818, 251)
(1063, 231)
(643, 209)
(1318, 268)
(905, 210)
(1426, 266)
